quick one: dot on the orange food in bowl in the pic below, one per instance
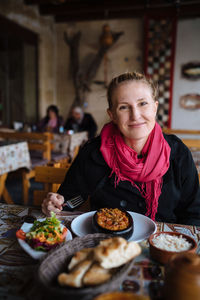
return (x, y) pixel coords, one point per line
(112, 219)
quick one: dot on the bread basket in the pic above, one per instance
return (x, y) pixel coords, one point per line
(56, 262)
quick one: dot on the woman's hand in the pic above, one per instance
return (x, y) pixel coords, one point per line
(53, 202)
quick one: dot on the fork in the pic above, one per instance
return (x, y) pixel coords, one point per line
(74, 202)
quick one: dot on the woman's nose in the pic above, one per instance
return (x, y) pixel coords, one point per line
(134, 113)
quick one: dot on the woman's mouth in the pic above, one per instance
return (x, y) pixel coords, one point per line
(136, 125)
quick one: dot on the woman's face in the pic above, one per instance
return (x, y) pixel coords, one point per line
(134, 110)
(52, 114)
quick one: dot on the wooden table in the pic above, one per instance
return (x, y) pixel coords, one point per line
(18, 271)
(13, 156)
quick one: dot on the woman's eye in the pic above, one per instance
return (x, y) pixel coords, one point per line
(143, 103)
(122, 107)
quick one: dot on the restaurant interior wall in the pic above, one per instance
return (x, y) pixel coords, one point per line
(55, 80)
(187, 50)
(29, 17)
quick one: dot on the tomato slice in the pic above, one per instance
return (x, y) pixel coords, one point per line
(20, 234)
(64, 232)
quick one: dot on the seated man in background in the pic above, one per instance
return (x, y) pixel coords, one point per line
(80, 121)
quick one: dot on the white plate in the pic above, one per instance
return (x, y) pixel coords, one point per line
(33, 253)
(143, 226)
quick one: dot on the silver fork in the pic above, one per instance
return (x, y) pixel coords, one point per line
(74, 202)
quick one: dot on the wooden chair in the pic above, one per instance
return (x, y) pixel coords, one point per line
(191, 138)
(51, 177)
(40, 144)
(181, 131)
(192, 143)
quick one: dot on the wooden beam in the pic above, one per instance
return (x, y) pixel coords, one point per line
(36, 2)
(85, 6)
(184, 12)
(95, 16)
(126, 5)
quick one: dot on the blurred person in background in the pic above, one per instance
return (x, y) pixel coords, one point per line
(80, 121)
(52, 121)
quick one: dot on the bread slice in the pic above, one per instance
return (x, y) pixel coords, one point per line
(96, 275)
(79, 257)
(114, 252)
(75, 277)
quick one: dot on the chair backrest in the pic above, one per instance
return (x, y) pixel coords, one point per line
(192, 143)
(181, 131)
(51, 177)
(35, 140)
(191, 138)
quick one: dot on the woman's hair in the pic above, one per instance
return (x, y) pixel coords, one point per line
(54, 109)
(130, 76)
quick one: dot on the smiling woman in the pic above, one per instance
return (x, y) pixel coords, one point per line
(132, 164)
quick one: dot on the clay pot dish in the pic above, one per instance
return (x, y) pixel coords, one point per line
(125, 233)
(182, 277)
(163, 256)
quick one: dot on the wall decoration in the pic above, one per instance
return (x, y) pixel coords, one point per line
(191, 70)
(160, 34)
(84, 76)
(190, 101)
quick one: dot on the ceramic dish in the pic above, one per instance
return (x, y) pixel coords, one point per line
(143, 226)
(125, 233)
(33, 253)
(163, 256)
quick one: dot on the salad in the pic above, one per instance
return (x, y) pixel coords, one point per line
(44, 235)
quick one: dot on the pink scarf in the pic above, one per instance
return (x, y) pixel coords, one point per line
(147, 171)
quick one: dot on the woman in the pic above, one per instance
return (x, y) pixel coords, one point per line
(132, 164)
(80, 121)
(52, 122)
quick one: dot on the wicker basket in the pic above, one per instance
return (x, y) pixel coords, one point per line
(57, 261)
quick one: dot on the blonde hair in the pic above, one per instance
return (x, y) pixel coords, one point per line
(130, 76)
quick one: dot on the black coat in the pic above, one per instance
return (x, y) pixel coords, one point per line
(87, 124)
(179, 201)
